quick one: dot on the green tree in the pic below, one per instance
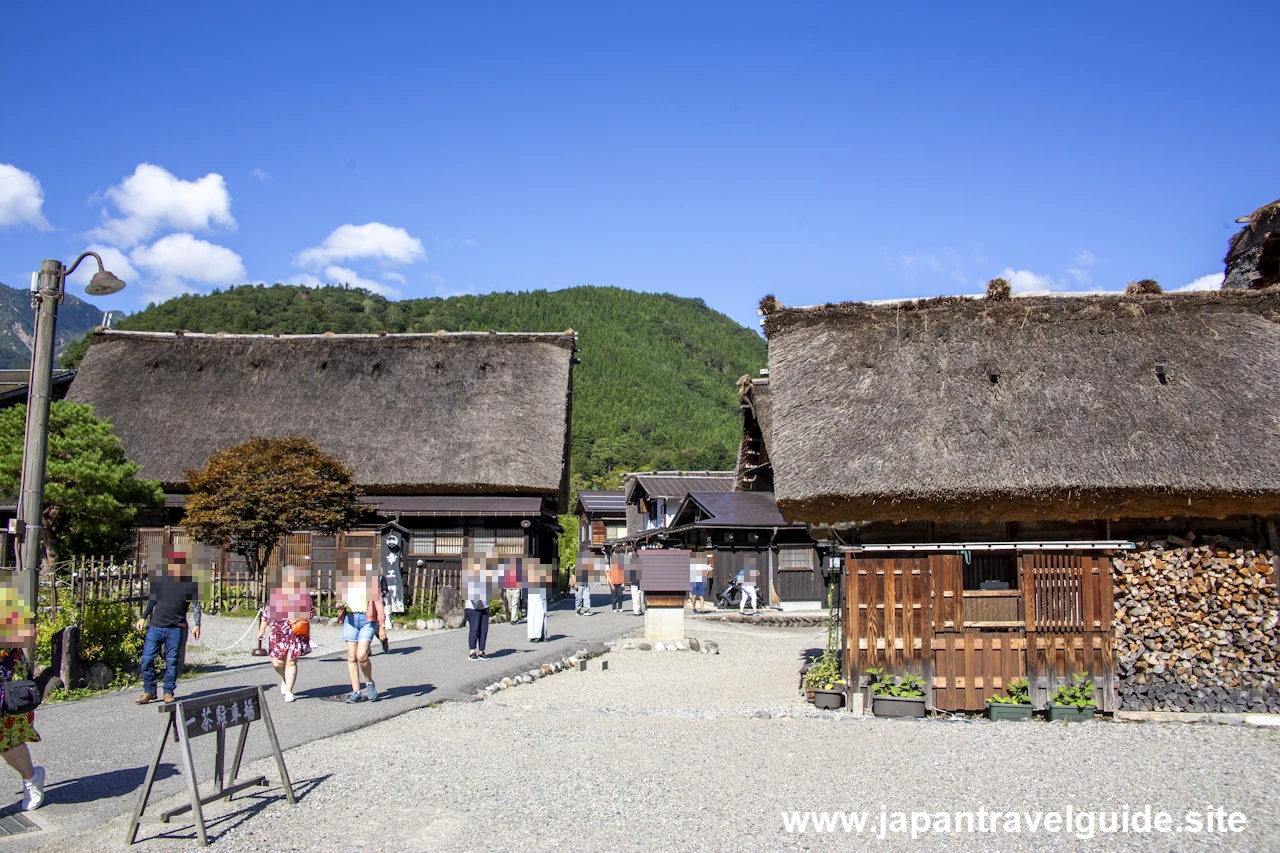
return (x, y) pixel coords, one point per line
(259, 491)
(92, 497)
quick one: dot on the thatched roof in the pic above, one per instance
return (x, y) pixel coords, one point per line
(443, 413)
(1033, 408)
(1253, 256)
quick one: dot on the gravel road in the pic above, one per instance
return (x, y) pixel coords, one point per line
(678, 751)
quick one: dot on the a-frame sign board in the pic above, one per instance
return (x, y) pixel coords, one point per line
(210, 715)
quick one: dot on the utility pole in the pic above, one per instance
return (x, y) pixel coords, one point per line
(35, 446)
(46, 298)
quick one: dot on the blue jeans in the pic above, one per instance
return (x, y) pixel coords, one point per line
(477, 629)
(171, 638)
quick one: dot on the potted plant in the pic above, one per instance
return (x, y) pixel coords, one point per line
(1015, 705)
(825, 680)
(901, 697)
(1073, 702)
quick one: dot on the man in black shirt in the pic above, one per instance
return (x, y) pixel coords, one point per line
(173, 592)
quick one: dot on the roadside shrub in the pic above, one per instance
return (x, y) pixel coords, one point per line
(107, 634)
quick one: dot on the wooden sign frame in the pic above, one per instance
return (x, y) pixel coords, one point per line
(192, 718)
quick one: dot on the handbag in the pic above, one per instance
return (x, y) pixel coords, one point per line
(301, 628)
(21, 697)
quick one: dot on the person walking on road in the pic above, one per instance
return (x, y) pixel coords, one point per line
(698, 589)
(748, 591)
(363, 616)
(287, 621)
(537, 579)
(615, 584)
(17, 726)
(582, 589)
(511, 589)
(173, 593)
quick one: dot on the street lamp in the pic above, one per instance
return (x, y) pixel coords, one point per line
(48, 294)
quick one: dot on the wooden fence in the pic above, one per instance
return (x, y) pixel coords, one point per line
(913, 615)
(231, 586)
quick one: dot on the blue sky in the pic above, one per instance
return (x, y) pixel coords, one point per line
(817, 151)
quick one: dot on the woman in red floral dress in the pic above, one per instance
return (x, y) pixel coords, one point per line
(17, 730)
(286, 621)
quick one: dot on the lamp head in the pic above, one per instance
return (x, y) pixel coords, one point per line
(103, 283)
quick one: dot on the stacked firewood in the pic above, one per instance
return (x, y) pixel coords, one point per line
(1195, 626)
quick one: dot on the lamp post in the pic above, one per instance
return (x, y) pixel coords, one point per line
(49, 292)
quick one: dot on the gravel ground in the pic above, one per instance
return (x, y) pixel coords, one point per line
(673, 751)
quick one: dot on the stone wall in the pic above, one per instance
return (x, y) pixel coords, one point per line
(1196, 626)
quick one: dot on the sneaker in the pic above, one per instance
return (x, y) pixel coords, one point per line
(482, 656)
(33, 791)
(144, 699)
(472, 656)
(355, 697)
(286, 695)
(370, 691)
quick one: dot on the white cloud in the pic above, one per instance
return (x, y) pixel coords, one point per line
(304, 278)
(372, 241)
(1084, 260)
(152, 199)
(178, 261)
(447, 292)
(1026, 280)
(113, 259)
(1212, 281)
(260, 174)
(909, 261)
(342, 275)
(394, 276)
(21, 198)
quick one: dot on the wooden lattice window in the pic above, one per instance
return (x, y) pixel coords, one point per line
(510, 542)
(796, 558)
(434, 543)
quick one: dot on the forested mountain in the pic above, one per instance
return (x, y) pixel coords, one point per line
(655, 389)
(17, 322)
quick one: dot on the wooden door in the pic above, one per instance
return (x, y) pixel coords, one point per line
(888, 624)
(1069, 612)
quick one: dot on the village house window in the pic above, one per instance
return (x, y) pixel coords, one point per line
(505, 542)
(510, 542)
(991, 571)
(615, 531)
(436, 543)
(796, 558)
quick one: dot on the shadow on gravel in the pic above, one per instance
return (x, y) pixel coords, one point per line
(247, 806)
(100, 786)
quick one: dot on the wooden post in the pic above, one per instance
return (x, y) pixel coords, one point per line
(147, 782)
(69, 671)
(190, 768)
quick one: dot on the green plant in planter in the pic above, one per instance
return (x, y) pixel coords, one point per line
(1019, 693)
(1078, 694)
(824, 672)
(902, 687)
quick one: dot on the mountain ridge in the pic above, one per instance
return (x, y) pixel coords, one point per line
(17, 325)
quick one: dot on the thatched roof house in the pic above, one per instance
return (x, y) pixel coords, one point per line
(1072, 407)
(445, 413)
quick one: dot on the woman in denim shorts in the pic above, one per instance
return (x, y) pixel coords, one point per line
(358, 629)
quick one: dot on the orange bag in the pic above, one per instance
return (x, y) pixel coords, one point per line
(301, 628)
